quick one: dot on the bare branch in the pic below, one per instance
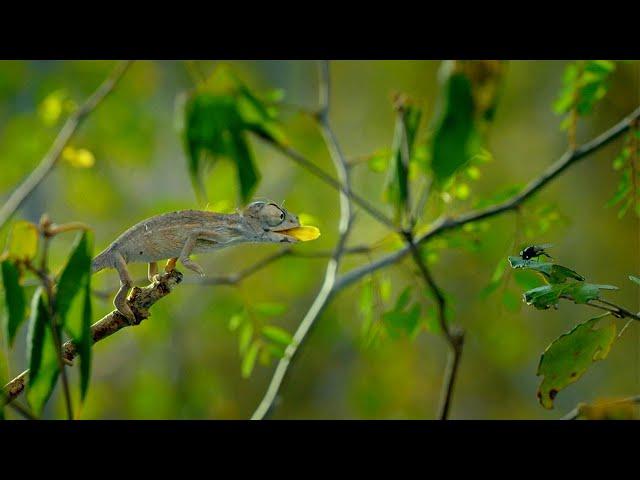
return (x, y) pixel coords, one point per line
(326, 291)
(50, 160)
(236, 278)
(140, 300)
(454, 337)
(445, 224)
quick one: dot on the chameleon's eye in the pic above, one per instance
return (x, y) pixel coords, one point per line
(273, 215)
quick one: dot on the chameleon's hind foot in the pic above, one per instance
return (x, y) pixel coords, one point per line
(193, 266)
(120, 302)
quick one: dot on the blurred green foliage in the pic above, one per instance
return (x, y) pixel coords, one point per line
(376, 352)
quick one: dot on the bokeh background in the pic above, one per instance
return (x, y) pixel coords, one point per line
(184, 361)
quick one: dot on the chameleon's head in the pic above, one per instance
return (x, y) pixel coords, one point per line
(271, 221)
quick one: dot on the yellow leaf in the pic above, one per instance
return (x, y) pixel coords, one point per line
(304, 234)
(78, 157)
(51, 107)
(463, 191)
(23, 241)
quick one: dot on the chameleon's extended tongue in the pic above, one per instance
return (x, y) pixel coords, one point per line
(304, 234)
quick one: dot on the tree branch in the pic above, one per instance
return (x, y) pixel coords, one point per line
(454, 337)
(440, 226)
(50, 160)
(326, 291)
(236, 278)
(140, 300)
(444, 224)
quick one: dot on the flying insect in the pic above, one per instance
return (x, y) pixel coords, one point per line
(535, 251)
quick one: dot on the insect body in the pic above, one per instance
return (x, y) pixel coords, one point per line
(535, 251)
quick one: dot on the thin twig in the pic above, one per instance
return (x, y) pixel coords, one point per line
(454, 337)
(50, 160)
(236, 278)
(445, 224)
(326, 291)
(439, 226)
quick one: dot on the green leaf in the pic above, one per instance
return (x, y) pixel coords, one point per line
(406, 128)
(72, 279)
(584, 292)
(544, 297)
(548, 295)
(270, 309)
(22, 244)
(570, 355)
(552, 272)
(236, 320)
(216, 120)
(277, 334)
(248, 175)
(14, 300)
(249, 360)
(403, 317)
(634, 279)
(453, 138)
(74, 308)
(584, 84)
(246, 334)
(41, 355)
(379, 161)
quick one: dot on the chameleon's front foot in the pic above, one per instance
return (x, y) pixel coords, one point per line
(120, 302)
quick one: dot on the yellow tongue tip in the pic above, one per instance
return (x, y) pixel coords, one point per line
(304, 234)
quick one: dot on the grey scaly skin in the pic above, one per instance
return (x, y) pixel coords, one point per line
(177, 235)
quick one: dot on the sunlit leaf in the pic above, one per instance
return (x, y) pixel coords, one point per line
(277, 334)
(78, 157)
(634, 279)
(72, 280)
(570, 355)
(249, 360)
(585, 82)
(52, 107)
(270, 309)
(246, 334)
(41, 355)
(15, 302)
(22, 244)
(236, 320)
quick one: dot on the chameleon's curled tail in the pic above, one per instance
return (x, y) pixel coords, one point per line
(103, 260)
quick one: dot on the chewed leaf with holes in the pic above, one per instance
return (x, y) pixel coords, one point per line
(548, 295)
(570, 355)
(543, 297)
(553, 273)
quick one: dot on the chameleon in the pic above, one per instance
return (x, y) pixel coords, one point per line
(176, 235)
